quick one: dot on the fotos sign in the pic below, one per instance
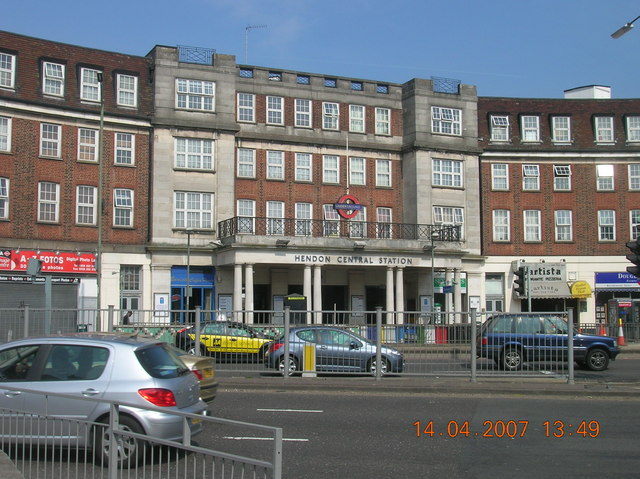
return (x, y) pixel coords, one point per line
(18, 260)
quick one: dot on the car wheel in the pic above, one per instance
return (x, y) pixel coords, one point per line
(373, 366)
(293, 365)
(512, 359)
(130, 451)
(597, 359)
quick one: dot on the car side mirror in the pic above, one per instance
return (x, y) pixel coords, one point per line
(353, 345)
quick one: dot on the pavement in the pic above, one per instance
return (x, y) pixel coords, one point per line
(551, 385)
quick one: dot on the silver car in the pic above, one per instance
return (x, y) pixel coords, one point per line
(334, 350)
(124, 368)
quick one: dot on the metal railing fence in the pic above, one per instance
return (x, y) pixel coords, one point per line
(41, 445)
(439, 343)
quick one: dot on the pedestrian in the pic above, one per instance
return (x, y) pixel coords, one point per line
(125, 318)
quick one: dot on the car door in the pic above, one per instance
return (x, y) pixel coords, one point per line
(79, 370)
(17, 365)
(338, 351)
(212, 337)
(555, 339)
(528, 330)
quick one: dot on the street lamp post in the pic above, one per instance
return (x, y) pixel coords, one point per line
(434, 236)
(624, 28)
(98, 266)
(189, 231)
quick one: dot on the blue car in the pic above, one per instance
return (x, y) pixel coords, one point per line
(336, 350)
(513, 339)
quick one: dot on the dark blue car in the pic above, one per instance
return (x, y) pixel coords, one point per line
(513, 339)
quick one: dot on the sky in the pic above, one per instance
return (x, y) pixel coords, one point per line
(506, 48)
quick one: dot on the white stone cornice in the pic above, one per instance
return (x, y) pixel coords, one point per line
(62, 113)
(560, 154)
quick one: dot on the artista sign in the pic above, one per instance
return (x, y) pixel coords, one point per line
(548, 280)
(18, 260)
(347, 206)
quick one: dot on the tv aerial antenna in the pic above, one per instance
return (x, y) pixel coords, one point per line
(246, 39)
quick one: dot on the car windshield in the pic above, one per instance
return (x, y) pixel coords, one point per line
(160, 361)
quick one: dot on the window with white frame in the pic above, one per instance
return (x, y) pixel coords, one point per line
(532, 227)
(130, 279)
(246, 107)
(50, 138)
(123, 207)
(357, 173)
(561, 129)
(606, 225)
(356, 118)
(87, 144)
(501, 225)
(53, 78)
(275, 165)
(634, 222)
(562, 177)
(358, 224)
(530, 128)
(447, 173)
(246, 163)
(564, 225)
(90, 85)
(633, 128)
(530, 177)
(331, 223)
(604, 175)
(500, 176)
(384, 218)
(125, 148)
(383, 121)
(499, 128)
(331, 169)
(86, 202)
(330, 116)
(4, 198)
(302, 113)
(449, 216)
(634, 176)
(446, 121)
(7, 70)
(383, 173)
(5, 133)
(303, 219)
(127, 90)
(194, 153)
(604, 129)
(195, 94)
(48, 202)
(303, 167)
(275, 217)
(193, 210)
(246, 216)
(275, 110)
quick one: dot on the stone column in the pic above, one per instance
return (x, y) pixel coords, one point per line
(390, 305)
(248, 292)
(317, 294)
(306, 290)
(237, 292)
(400, 295)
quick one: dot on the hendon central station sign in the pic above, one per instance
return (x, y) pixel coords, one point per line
(355, 260)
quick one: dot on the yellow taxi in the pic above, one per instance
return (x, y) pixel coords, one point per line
(224, 338)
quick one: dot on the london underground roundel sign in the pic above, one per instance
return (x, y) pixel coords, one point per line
(347, 206)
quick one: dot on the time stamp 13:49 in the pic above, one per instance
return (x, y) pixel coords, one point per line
(510, 428)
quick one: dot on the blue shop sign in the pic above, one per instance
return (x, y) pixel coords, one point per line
(616, 281)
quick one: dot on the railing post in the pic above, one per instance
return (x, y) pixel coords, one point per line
(287, 319)
(26, 320)
(378, 342)
(474, 352)
(110, 316)
(571, 379)
(277, 454)
(197, 331)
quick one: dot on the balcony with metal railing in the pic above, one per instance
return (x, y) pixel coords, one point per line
(247, 225)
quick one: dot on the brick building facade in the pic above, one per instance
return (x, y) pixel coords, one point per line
(51, 123)
(561, 185)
